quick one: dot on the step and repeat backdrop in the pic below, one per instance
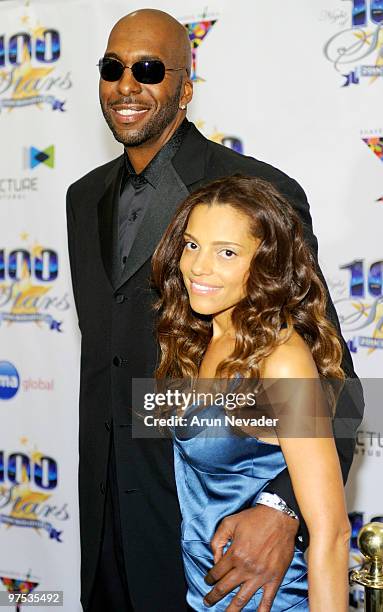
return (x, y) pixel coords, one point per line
(298, 84)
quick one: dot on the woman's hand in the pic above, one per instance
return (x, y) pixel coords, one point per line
(262, 546)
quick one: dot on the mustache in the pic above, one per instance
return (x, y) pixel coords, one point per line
(127, 100)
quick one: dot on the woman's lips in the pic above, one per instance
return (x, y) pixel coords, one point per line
(203, 289)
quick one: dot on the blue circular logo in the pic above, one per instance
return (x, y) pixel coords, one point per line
(9, 380)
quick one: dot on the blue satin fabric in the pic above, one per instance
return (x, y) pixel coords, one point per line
(219, 472)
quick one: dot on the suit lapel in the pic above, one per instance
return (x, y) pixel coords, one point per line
(168, 194)
(108, 221)
(187, 168)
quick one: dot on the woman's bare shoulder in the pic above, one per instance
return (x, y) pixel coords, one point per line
(292, 359)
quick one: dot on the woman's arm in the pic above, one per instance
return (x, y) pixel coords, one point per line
(316, 477)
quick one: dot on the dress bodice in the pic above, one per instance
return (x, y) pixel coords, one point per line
(220, 472)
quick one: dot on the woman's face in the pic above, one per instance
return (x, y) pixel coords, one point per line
(216, 258)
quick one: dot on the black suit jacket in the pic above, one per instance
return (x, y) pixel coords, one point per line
(118, 344)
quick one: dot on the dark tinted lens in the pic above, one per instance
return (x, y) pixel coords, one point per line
(149, 71)
(110, 69)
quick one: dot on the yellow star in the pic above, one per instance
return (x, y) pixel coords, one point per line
(27, 78)
(217, 136)
(24, 236)
(27, 297)
(26, 496)
(378, 331)
(36, 457)
(38, 32)
(365, 37)
(24, 440)
(25, 19)
(36, 250)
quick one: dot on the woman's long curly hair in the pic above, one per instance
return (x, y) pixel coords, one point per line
(282, 290)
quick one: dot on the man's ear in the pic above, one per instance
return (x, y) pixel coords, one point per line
(187, 95)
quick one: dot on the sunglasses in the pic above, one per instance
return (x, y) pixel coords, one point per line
(149, 72)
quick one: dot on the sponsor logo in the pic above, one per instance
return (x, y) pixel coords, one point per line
(17, 188)
(16, 583)
(13, 188)
(374, 140)
(29, 73)
(34, 157)
(198, 27)
(9, 380)
(369, 443)
(27, 278)
(231, 142)
(358, 297)
(375, 144)
(356, 52)
(28, 481)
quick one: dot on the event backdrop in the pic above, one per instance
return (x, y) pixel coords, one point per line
(295, 83)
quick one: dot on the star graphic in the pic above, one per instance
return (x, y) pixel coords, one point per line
(24, 493)
(364, 309)
(57, 105)
(24, 236)
(36, 250)
(217, 136)
(366, 38)
(26, 295)
(27, 78)
(24, 440)
(25, 19)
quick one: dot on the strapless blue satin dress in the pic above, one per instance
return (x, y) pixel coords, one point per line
(219, 472)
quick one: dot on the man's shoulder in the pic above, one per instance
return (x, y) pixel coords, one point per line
(95, 179)
(233, 162)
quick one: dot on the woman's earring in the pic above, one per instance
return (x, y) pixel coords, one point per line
(183, 106)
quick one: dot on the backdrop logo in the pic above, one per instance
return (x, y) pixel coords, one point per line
(369, 443)
(197, 27)
(358, 298)
(231, 142)
(34, 157)
(375, 143)
(28, 480)
(357, 51)
(9, 380)
(16, 583)
(374, 140)
(27, 276)
(28, 73)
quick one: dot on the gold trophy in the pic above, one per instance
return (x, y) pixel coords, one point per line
(370, 543)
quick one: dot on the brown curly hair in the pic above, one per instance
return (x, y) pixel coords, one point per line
(282, 290)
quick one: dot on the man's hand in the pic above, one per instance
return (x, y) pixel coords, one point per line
(261, 550)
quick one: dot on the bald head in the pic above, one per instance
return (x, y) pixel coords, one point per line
(161, 27)
(140, 109)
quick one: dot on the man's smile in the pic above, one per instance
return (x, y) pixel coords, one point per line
(129, 113)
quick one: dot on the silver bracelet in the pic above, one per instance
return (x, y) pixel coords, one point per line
(274, 501)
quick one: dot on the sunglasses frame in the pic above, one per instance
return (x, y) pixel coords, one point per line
(125, 66)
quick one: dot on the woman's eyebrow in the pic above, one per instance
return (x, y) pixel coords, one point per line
(217, 242)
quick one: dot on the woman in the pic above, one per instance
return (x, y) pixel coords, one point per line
(240, 299)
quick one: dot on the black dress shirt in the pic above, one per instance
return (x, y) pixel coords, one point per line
(137, 190)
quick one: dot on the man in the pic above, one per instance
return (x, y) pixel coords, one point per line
(129, 514)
